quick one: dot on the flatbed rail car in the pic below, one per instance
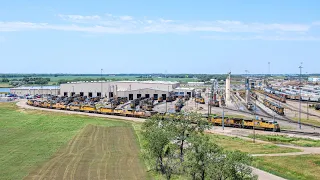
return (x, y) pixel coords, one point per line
(273, 106)
(246, 123)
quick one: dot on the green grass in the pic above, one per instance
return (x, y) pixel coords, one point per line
(302, 167)
(309, 121)
(284, 139)
(28, 138)
(235, 143)
(5, 85)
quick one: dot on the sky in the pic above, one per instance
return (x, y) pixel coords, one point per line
(143, 36)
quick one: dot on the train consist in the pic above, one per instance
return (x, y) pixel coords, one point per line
(273, 106)
(248, 124)
(276, 93)
(230, 122)
(278, 97)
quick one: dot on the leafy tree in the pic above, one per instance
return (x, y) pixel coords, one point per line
(157, 141)
(199, 157)
(185, 124)
(5, 80)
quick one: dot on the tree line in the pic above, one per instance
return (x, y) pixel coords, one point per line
(177, 146)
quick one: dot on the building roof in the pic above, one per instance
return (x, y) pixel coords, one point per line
(184, 88)
(151, 82)
(35, 87)
(127, 90)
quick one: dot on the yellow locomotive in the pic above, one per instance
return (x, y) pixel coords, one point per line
(246, 123)
(229, 122)
(273, 106)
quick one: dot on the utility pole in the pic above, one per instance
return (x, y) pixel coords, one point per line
(269, 69)
(255, 112)
(167, 101)
(222, 117)
(101, 83)
(300, 86)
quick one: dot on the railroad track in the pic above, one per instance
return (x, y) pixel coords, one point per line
(291, 107)
(301, 133)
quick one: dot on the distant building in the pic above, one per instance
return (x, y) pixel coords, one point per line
(35, 90)
(195, 83)
(314, 79)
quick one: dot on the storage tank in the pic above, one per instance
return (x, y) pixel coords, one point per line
(228, 83)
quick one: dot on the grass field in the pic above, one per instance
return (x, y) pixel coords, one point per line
(97, 152)
(30, 138)
(302, 167)
(5, 85)
(283, 139)
(235, 143)
(309, 121)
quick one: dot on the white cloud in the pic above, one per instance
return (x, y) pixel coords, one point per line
(78, 18)
(109, 23)
(266, 38)
(126, 18)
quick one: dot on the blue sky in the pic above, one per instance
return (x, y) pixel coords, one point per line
(144, 36)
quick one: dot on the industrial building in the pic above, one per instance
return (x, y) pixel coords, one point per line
(314, 79)
(34, 90)
(130, 89)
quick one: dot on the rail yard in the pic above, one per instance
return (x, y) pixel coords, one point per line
(236, 110)
(265, 107)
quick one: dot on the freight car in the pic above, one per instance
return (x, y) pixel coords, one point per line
(276, 97)
(245, 123)
(273, 106)
(231, 122)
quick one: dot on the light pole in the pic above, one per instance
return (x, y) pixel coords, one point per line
(255, 112)
(167, 101)
(300, 85)
(101, 83)
(72, 94)
(222, 117)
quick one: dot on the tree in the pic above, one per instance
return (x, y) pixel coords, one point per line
(185, 124)
(200, 156)
(5, 80)
(157, 142)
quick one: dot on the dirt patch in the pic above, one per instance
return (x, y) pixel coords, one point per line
(95, 153)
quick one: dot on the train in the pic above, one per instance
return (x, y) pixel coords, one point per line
(91, 109)
(200, 100)
(281, 98)
(292, 96)
(246, 123)
(229, 122)
(273, 106)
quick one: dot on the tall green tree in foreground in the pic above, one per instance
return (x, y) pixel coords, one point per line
(176, 145)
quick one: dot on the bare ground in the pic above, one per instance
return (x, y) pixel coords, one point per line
(97, 152)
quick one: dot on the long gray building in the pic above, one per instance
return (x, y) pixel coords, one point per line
(130, 89)
(34, 90)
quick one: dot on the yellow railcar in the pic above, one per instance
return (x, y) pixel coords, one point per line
(87, 108)
(117, 112)
(30, 102)
(74, 107)
(60, 106)
(105, 110)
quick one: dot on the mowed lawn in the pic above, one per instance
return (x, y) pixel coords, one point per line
(235, 143)
(30, 138)
(302, 167)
